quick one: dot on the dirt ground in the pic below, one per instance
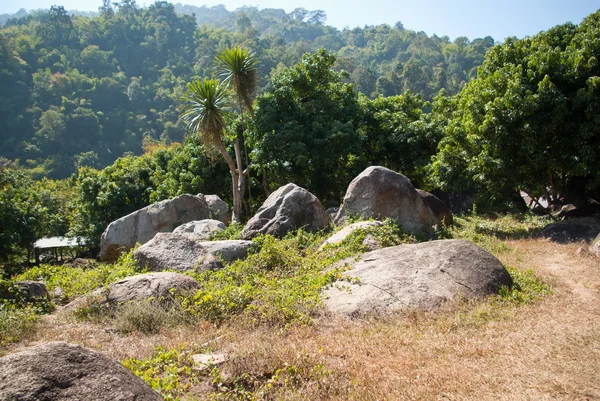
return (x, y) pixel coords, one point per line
(546, 350)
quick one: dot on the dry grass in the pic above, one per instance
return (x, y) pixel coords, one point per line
(468, 351)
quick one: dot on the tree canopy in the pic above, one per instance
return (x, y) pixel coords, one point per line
(530, 120)
(73, 83)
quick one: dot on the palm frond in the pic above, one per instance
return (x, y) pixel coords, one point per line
(203, 109)
(238, 68)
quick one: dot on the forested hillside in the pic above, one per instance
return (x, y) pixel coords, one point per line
(82, 91)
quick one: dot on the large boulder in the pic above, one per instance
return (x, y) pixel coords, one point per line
(419, 276)
(58, 371)
(219, 210)
(142, 225)
(170, 251)
(381, 193)
(288, 208)
(439, 208)
(161, 286)
(345, 232)
(201, 230)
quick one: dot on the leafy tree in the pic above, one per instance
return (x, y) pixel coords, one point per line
(238, 68)
(305, 127)
(530, 120)
(29, 210)
(204, 111)
(398, 134)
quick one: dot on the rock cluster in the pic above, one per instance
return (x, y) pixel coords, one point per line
(142, 225)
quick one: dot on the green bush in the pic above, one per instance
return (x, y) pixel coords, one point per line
(76, 281)
(169, 372)
(281, 280)
(16, 323)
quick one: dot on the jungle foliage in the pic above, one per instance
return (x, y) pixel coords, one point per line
(80, 91)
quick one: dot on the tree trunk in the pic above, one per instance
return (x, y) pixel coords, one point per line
(265, 182)
(241, 178)
(237, 199)
(239, 158)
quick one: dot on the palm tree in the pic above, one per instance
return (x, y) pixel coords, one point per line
(238, 68)
(204, 105)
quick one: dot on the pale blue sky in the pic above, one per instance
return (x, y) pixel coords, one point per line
(499, 19)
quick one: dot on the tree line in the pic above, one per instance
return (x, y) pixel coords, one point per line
(81, 91)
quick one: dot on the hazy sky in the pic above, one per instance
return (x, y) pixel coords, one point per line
(499, 18)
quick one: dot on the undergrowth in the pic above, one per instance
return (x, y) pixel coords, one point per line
(17, 323)
(169, 372)
(491, 231)
(281, 281)
(76, 281)
(172, 373)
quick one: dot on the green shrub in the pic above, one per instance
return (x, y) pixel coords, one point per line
(169, 372)
(145, 317)
(527, 287)
(231, 232)
(76, 281)
(17, 323)
(94, 309)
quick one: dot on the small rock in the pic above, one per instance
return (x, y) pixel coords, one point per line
(59, 296)
(204, 361)
(332, 212)
(32, 290)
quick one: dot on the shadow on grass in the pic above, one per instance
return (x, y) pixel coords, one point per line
(502, 227)
(523, 226)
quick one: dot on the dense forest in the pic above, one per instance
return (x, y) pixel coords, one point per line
(91, 113)
(82, 91)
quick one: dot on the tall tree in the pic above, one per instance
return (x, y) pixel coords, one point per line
(306, 127)
(239, 69)
(204, 111)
